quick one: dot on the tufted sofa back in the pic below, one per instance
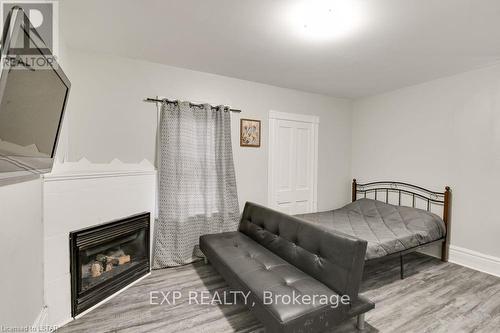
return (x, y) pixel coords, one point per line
(335, 259)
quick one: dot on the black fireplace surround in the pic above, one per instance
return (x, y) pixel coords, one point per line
(106, 258)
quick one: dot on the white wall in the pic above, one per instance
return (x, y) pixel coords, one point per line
(444, 132)
(108, 119)
(21, 246)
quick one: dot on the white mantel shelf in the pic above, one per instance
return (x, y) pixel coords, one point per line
(76, 175)
(84, 169)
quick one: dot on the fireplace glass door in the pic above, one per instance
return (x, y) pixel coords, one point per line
(106, 258)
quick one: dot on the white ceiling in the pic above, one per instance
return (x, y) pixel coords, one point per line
(401, 43)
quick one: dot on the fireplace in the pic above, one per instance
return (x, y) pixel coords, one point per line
(106, 258)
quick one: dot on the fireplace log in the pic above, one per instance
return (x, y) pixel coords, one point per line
(106, 259)
(123, 259)
(109, 266)
(96, 269)
(101, 258)
(112, 261)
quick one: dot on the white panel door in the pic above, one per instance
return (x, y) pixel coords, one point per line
(292, 167)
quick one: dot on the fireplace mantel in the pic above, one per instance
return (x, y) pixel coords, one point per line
(76, 199)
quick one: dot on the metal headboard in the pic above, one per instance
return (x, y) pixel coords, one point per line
(404, 189)
(386, 187)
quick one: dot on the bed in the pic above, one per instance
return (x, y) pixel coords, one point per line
(395, 218)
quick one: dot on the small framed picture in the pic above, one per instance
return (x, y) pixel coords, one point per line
(249, 133)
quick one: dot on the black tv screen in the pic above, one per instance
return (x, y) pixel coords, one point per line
(33, 95)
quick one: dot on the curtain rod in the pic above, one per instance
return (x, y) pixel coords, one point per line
(156, 100)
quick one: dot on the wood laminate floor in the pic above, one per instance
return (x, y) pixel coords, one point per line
(434, 297)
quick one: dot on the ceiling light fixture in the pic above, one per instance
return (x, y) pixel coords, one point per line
(325, 19)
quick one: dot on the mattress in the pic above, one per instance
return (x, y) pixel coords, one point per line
(386, 228)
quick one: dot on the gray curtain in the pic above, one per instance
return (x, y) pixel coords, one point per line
(197, 183)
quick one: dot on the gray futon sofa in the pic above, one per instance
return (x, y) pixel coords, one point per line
(276, 254)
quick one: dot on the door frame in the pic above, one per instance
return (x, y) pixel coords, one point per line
(314, 120)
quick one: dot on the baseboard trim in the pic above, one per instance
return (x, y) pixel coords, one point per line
(475, 260)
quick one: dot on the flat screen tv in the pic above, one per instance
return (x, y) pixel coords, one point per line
(33, 95)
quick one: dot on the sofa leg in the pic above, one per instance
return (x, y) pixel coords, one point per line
(361, 322)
